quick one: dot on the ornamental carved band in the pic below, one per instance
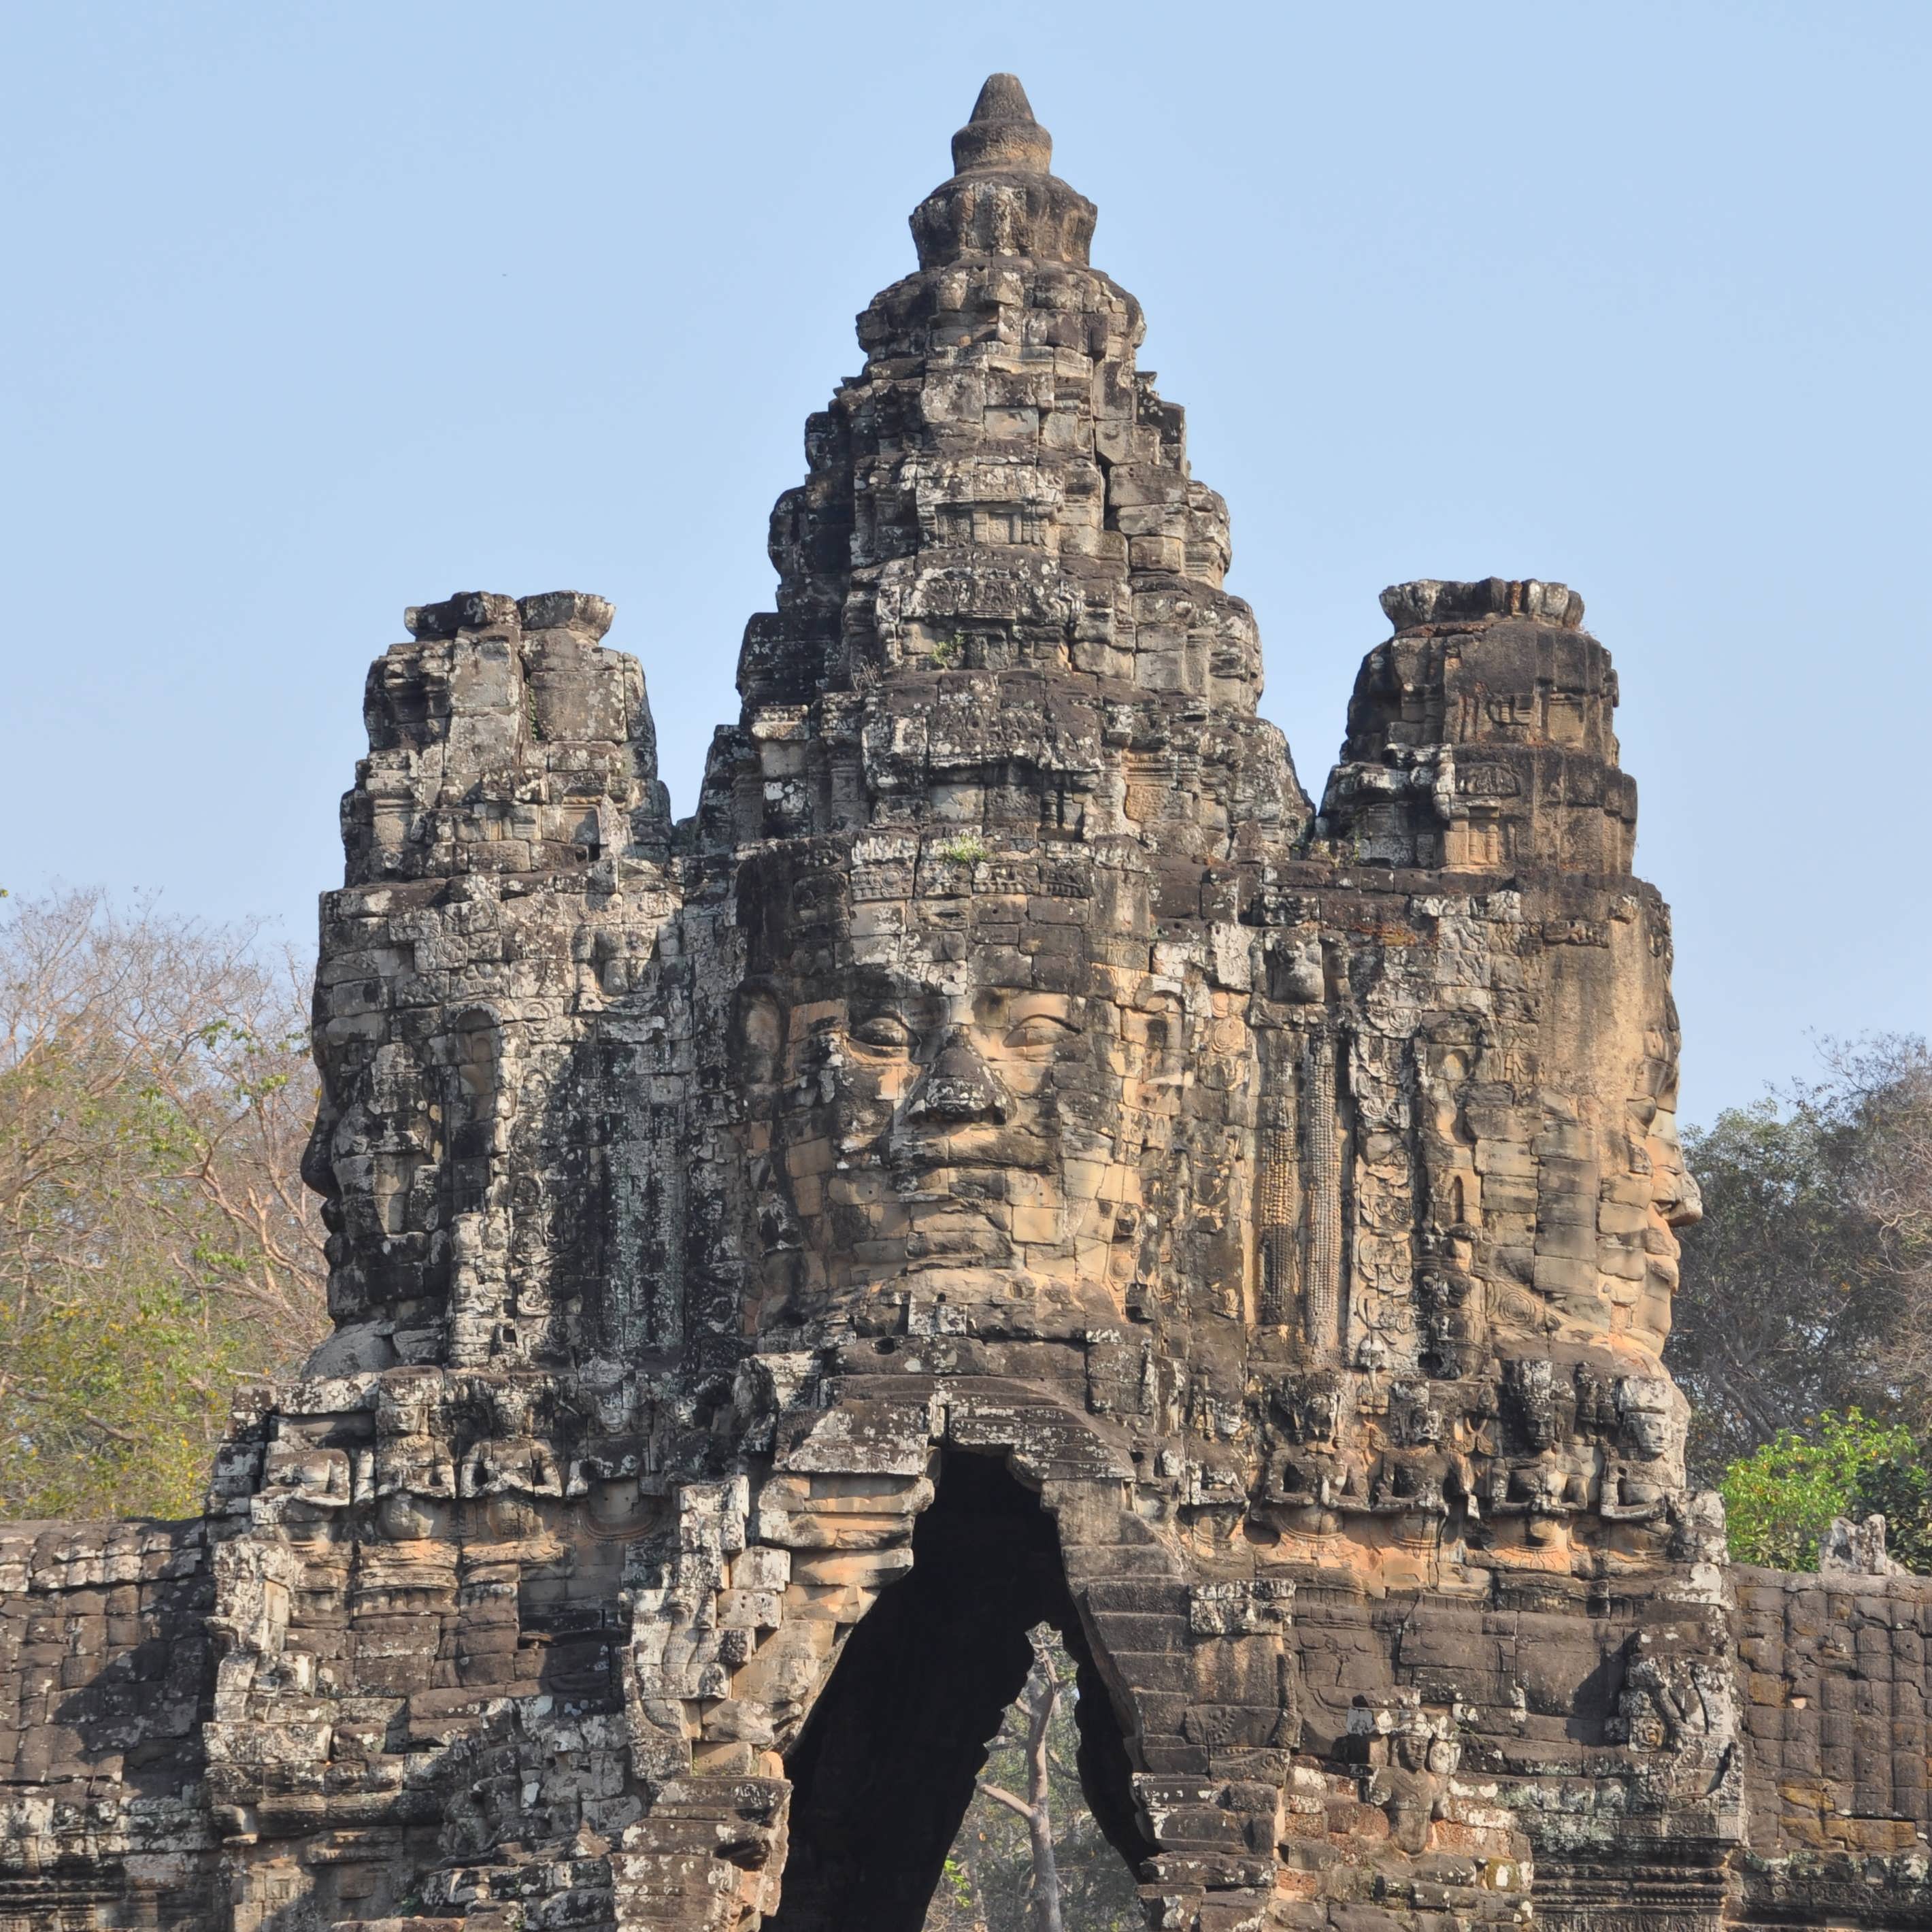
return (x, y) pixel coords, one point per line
(1008, 1156)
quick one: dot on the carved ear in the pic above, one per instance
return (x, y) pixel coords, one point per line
(1164, 1032)
(760, 1030)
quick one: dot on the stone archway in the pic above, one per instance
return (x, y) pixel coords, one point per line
(885, 1768)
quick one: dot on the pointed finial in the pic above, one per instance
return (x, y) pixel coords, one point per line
(1002, 98)
(1002, 135)
(1002, 197)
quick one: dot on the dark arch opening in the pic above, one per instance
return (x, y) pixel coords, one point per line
(885, 1768)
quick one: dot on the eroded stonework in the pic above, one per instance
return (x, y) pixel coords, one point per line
(1007, 1157)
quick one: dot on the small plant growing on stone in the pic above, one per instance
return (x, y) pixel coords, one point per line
(948, 651)
(968, 849)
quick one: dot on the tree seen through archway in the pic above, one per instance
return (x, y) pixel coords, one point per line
(1030, 1856)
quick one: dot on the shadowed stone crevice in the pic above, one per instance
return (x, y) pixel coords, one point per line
(885, 1768)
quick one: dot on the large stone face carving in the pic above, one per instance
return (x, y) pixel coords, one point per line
(1008, 1157)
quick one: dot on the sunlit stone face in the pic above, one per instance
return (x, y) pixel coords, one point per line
(1614, 1189)
(953, 1127)
(1674, 1201)
(949, 1102)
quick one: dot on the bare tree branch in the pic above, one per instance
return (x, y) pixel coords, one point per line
(155, 1239)
(1000, 1795)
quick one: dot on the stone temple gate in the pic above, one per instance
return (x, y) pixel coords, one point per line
(1008, 1156)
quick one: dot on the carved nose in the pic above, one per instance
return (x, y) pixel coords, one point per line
(1682, 1201)
(958, 1086)
(318, 1163)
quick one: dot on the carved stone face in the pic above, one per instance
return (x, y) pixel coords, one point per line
(956, 1127)
(1537, 1408)
(1413, 1421)
(1312, 1411)
(957, 1084)
(1613, 1183)
(1650, 1410)
(1675, 1203)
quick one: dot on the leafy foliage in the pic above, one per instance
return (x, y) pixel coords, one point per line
(1780, 1500)
(968, 849)
(1899, 1488)
(990, 1883)
(156, 1243)
(1807, 1289)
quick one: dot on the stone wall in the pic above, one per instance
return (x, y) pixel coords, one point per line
(1007, 1157)
(1833, 1685)
(105, 1659)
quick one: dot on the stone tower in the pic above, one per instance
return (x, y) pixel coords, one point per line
(1008, 1157)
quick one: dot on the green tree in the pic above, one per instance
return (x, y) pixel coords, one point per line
(1899, 1488)
(156, 1244)
(1806, 1289)
(1780, 1499)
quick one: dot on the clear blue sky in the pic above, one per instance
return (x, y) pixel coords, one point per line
(316, 311)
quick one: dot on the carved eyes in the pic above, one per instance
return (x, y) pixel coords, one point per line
(883, 1033)
(887, 1033)
(1038, 1030)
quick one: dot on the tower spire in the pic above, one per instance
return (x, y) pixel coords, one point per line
(1001, 134)
(1002, 197)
